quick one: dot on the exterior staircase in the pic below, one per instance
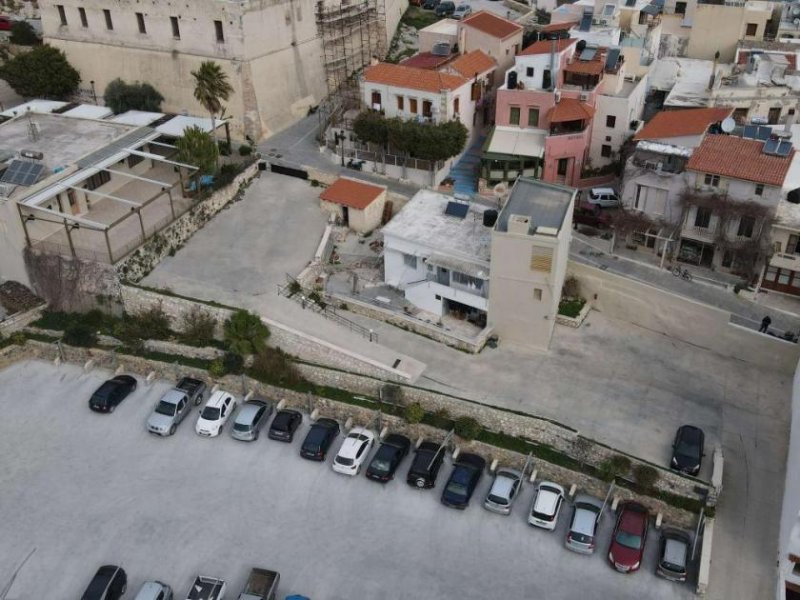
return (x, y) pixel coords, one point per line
(465, 172)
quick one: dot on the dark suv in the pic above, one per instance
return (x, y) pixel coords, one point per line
(445, 9)
(687, 449)
(319, 439)
(463, 479)
(108, 396)
(109, 583)
(388, 457)
(427, 462)
(284, 425)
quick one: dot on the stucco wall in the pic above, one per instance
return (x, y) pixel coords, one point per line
(717, 27)
(503, 51)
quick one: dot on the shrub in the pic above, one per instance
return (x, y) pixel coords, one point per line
(467, 428)
(23, 34)
(571, 308)
(245, 333)
(273, 366)
(17, 338)
(198, 326)
(152, 324)
(317, 299)
(224, 148)
(413, 413)
(121, 97)
(441, 419)
(44, 72)
(245, 150)
(216, 369)
(616, 466)
(570, 288)
(233, 363)
(80, 334)
(645, 476)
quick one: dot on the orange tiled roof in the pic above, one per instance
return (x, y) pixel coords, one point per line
(732, 156)
(570, 109)
(426, 60)
(412, 78)
(492, 24)
(678, 123)
(349, 192)
(545, 46)
(473, 63)
(552, 27)
(587, 67)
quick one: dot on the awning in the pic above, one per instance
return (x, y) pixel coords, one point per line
(177, 125)
(89, 111)
(517, 142)
(461, 266)
(570, 109)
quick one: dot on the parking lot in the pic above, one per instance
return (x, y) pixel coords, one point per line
(87, 489)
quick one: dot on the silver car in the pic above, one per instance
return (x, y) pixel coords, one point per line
(154, 590)
(583, 526)
(169, 412)
(505, 489)
(250, 419)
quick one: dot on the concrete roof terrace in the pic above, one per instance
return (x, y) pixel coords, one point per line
(545, 203)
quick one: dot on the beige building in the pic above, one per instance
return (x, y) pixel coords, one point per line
(498, 37)
(356, 204)
(529, 252)
(719, 27)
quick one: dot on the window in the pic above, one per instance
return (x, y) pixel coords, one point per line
(533, 117)
(605, 151)
(82, 14)
(96, 180)
(109, 22)
(712, 180)
(529, 72)
(176, 28)
(467, 280)
(456, 105)
(702, 217)
(376, 100)
(752, 29)
(611, 120)
(427, 108)
(410, 261)
(134, 159)
(746, 226)
(401, 103)
(62, 15)
(412, 105)
(791, 245)
(537, 294)
(759, 189)
(140, 23)
(513, 115)
(218, 31)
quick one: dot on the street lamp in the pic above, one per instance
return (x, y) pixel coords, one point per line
(340, 137)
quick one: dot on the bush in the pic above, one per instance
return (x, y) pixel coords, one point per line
(413, 413)
(80, 334)
(23, 34)
(440, 419)
(216, 369)
(467, 428)
(152, 324)
(224, 148)
(122, 97)
(273, 366)
(571, 308)
(44, 72)
(17, 338)
(570, 288)
(645, 476)
(233, 363)
(616, 466)
(245, 150)
(198, 327)
(245, 333)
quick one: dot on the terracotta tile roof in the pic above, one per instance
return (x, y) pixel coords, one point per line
(351, 193)
(426, 60)
(570, 109)
(473, 63)
(412, 78)
(492, 24)
(544, 46)
(732, 156)
(553, 27)
(587, 67)
(678, 123)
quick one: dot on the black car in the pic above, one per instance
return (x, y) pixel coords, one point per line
(687, 449)
(388, 457)
(109, 583)
(463, 480)
(284, 425)
(319, 438)
(445, 9)
(430, 4)
(427, 462)
(109, 395)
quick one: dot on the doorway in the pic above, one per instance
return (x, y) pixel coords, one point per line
(346, 216)
(774, 115)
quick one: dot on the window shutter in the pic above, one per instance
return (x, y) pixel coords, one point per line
(541, 259)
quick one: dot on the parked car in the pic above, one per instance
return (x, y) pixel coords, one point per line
(195, 388)
(109, 583)
(505, 489)
(673, 555)
(207, 588)
(154, 590)
(445, 9)
(390, 454)
(430, 4)
(425, 468)
(546, 505)
(592, 215)
(353, 451)
(108, 396)
(6, 23)
(687, 449)
(284, 425)
(582, 531)
(629, 536)
(463, 480)
(319, 439)
(171, 409)
(605, 197)
(250, 419)
(462, 11)
(262, 584)
(215, 414)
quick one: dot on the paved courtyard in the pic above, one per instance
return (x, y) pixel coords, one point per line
(87, 489)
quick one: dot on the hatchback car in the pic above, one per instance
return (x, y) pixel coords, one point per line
(390, 454)
(154, 590)
(426, 464)
(505, 488)
(463, 480)
(353, 451)
(445, 9)
(546, 505)
(592, 215)
(319, 439)
(284, 425)
(108, 396)
(462, 11)
(687, 449)
(582, 531)
(605, 197)
(215, 414)
(109, 583)
(673, 556)
(629, 536)
(251, 417)
(169, 412)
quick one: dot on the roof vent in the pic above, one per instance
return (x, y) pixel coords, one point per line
(519, 224)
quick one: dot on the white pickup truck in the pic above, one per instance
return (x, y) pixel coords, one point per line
(207, 588)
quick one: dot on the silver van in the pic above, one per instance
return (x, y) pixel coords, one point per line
(583, 526)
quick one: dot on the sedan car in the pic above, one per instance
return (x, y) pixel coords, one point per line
(582, 531)
(215, 414)
(109, 395)
(154, 590)
(505, 489)
(673, 556)
(353, 451)
(109, 583)
(463, 480)
(546, 505)
(388, 457)
(462, 11)
(169, 412)
(284, 425)
(592, 215)
(250, 419)
(687, 449)
(629, 536)
(319, 439)
(425, 468)
(445, 8)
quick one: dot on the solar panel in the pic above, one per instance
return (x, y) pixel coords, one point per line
(784, 148)
(612, 59)
(750, 132)
(586, 22)
(456, 209)
(763, 133)
(588, 53)
(771, 147)
(22, 172)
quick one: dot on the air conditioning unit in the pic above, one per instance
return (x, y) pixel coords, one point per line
(557, 96)
(584, 97)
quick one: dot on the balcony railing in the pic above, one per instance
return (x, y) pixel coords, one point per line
(482, 292)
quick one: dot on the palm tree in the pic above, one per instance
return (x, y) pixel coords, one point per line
(211, 89)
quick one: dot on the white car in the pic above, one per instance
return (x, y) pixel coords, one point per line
(353, 451)
(215, 414)
(546, 505)
(603, 197)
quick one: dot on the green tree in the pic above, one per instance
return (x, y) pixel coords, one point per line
(370, 126)
(196, 147)
(44, 72)
(23, 34)
(211, 89)
(121, 97)
(245, 333)
(402, 137)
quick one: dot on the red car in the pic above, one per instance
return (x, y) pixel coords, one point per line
(5, 23)
(592, 215)
(627, 541)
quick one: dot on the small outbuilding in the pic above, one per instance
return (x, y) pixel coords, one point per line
(357, 204)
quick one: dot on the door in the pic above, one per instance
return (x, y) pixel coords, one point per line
(562, 167)
(443, 276)
(346, 216)
(774, 115)
(182, 408)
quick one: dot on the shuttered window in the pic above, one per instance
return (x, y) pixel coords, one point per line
(541, 259)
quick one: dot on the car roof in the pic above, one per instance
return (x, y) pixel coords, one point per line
(248, 410)
(503, 482)
(584, 520)
(690, 433)
(350, 446)
(547, 497)
(603, 190)
(587, 499)
(675, 551)
(217, 398)
(172, 396)
(326, 423)
(395, 439)
(149, 590)
(631, 516)
(472, 460)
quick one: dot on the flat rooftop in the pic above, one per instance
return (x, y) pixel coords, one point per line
(423, 221)
(546, 204)
(443, 26)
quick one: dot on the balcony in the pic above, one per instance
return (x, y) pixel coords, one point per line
(702, 234)
(482, 292)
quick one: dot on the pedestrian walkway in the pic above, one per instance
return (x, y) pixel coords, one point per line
(465, 172)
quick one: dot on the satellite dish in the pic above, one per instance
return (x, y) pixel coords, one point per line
(728, 125)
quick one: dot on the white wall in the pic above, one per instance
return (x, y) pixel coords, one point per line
(625, 109)
(790, 511)
(396, 272)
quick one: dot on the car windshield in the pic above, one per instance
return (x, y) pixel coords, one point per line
(686, 449)
(241, 427)
(210, 413)
(457, 489)
(166, 408)
(381, 466)
(629, 540)
(497, 499)
(580, 538)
